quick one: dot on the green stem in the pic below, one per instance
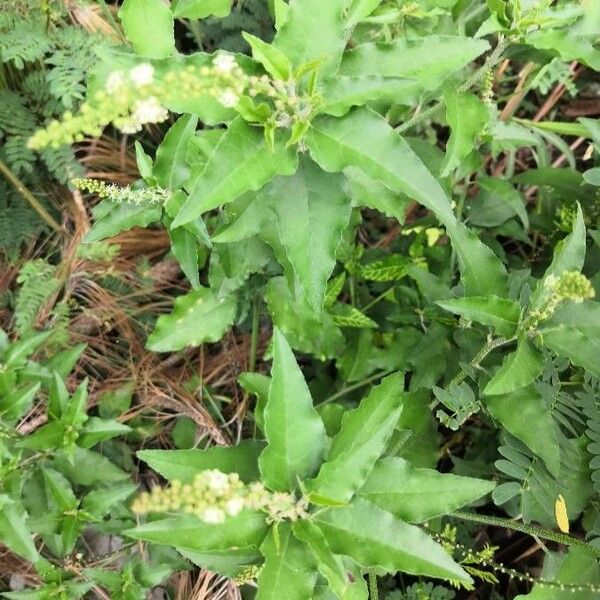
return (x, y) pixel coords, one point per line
(491, 61)
(490, 345)
(354, 386)
(254, 335)
(373, 591)
(533, 530)
(29, 197)
(109, 16)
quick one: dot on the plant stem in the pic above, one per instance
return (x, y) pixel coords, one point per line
(254, 335)
(29, 197)
(533, 530)
(491, 60)
(109, 16)
(490, 345)
(373, 591)
(354, 386)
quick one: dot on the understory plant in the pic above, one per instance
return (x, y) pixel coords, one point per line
(402, 193)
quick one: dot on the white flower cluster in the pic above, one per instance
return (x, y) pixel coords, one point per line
(125, 195)
(213, 496)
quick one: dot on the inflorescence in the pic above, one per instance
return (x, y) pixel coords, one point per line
(131, 99)
(125, 195)
(213, 496)
(570, 285)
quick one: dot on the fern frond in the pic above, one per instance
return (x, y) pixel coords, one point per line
(26, 42)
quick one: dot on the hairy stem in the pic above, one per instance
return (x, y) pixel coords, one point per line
(373, 591)
(29, 197)
(488, 347)
(533, 530)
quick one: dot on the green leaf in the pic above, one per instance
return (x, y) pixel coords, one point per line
(86, 467)
(503, 315)
(295, 434)
(574, 333)
(467, 117)
(197, 317)
(275, 62)
(227, 563)
(342, 92)
(375, 538)
(14, 532)
(18, 352)
(171, 168)
(364, 139)
(312, 210)
(184, 465)
(144, 162)
(97, 430)
(524, 414)
(330, 565)
(519, 369)
(345, 315)
(289, 571)
(112, 218)
(248, 528)
(241, 162)
(417, 495)
(99, 502)
(307, 330)
(496, 202)
(314, 30)
(257, 384)
(429, 59)
(184, 246)
(148, 25)
(200, 9)
(362, 439)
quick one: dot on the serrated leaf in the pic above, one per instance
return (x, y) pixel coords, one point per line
(248, 528)
(184, 246)
(345, 315)
(329, 565)
(184, 465)
(322, 24)
(524, 414)
(416, 495)
(197, 317)
(148, 25)
(501, 314)
(467, 117)
(200, 9)
(362, 439)
(289, 571)
(296, 439)
(391, 268)
(241, 162)
(334, 289)
(171, 168)
(375, 538)
(519, 369)
(342, 92)
(112, 218)
(429, 59)
(312, 210)
(339, 143)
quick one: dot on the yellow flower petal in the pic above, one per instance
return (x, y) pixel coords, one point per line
(560, 512)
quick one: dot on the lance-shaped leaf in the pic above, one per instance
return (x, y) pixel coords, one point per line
(197, 317)
(428, 60)
(467, 116)
(416, 495)
(275, 62)
(524, 414)
(312, 211)
(345, 587)
(362, 439)
(520, 368)
(503, 315)
(184, 246)
(241, 162)
(364, 139)
(171, 168)
(341, 92)
(149, 26)
(290, 570)
(248, 528)
(111, 218)
(295, 434)
(14, 532)
(314, 31)
(227, 563)
(184, 465)
(375, 538)
(574, 333)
